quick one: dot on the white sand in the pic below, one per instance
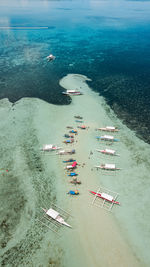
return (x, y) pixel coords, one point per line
(97, 238)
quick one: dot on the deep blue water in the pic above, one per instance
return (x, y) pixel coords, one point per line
(108, 41)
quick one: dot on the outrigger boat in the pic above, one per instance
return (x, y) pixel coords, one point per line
(109, 167)
(107, 138)
(50, 147)
(50, 57)
(55, 216)
(78, 117)
(108, 151)
(109, 129)
(72, 92)
(105, 196)
(66, 152)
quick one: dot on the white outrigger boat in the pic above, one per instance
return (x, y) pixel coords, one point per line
(50, 57)
(56, 216)
(72, 92)
(108, 167)
(107, 138)
(107, 151)
(108, 129)
(66, 152)
(50, 147)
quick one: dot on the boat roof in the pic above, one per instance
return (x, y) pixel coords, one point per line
(110, 166)
(72, 91)
(108, 137)
(110, 150)
(106, 196)
(52, 213)
(110, 127)
(48, 146)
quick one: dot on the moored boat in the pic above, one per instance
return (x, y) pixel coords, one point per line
(69, 141)
(108, 129)
(75, 181)
(50, 57)
(50, 147)
(72, 174)
(83, 127)
(78, 117)
(73, 192)
(72, 92)
(73, 166)
(107, 138)
(66, 152)
(109, 167)
(69, 160)
(55, 216)
(105, 196)
(108, 152)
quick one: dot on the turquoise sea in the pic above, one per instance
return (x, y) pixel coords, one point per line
(108, 41)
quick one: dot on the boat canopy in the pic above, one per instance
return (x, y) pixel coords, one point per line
(110, 137)
(68, 167)
(74, 164)
(110, 151)
(52, 213)
(106, 196)
(110, 166)
(110, 127)
(48, 146)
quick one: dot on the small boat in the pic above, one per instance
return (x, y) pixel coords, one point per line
(109, 167)
(69, 127)
(50, 147)
(73, 131)
(73, 166)
(83, 127)
(66, 152)
(73, 192)
(50, 57)
(55, 216)
(75, 181)
(109, 129)
(105, 196)
(69, 141)
(78, 117)
(68, 136)
(107, 138)
(78, 121)
(72, 174)
(108, 151)
(72, 92)
(69, 160)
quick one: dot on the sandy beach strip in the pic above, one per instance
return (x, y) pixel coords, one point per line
(38, 179)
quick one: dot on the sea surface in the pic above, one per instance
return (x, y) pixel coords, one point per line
(106, 40)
